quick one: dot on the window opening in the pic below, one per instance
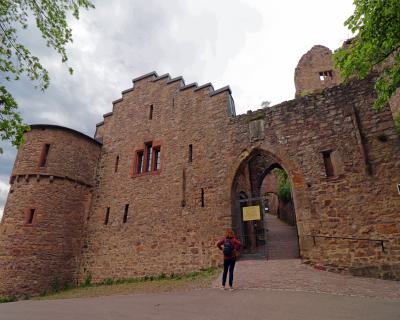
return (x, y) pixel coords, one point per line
(30, 216)
(139, 162)
(45, 153)
(328, 163)
(202, 197)
(151, 112)
(107, 216)
(190, 153)
(116, 164)
(148, 159)
(157, 158)
(323, 75)
(126, 213)
(149, 155)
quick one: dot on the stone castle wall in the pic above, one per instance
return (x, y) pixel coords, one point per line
(360, 200)
(169, 227)
(43, 254)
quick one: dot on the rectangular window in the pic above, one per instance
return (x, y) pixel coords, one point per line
(116, 164)
(107, 216)
(328, 163)
(157, 158)
(126, 213)
(190, 153)
(151, 112)
(202, 197)
(31, 214)
(43, 156)
(148, 159)
(139, 162)
(149, 155)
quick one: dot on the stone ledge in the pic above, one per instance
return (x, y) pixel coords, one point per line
(26, 176)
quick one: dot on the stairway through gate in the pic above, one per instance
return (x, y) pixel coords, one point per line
(282, 240)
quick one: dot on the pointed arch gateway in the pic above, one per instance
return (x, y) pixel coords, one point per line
(274, 234)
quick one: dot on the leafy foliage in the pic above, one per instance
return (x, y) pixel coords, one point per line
(284, 188)
(16, 59)
(265, 104)
(11, 126)
(377, 25)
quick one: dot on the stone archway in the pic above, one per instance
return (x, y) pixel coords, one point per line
(248, 179)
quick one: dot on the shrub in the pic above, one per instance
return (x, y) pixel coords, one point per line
(284, 188)
(88, 281)
(8, 299)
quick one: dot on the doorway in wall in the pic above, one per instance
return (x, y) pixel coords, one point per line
(263, 211)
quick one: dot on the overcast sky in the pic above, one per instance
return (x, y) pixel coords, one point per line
(251, 45)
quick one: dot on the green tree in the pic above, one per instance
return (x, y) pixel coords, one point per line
(284, 189)
(16, 60)
(376, 24)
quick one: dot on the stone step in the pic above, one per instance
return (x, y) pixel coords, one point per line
(282, 241)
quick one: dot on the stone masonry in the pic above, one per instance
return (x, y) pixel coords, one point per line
(157, 186)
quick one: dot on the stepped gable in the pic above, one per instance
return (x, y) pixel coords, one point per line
(154, 77)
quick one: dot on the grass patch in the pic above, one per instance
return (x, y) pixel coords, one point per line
(146, 284)
(8, 299)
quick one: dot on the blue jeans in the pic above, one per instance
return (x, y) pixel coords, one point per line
(229, 264)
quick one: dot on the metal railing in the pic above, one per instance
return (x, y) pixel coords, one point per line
(381, 241)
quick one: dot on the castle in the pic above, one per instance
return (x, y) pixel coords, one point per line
(160, 181)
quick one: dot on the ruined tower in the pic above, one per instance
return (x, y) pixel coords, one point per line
(315, 71)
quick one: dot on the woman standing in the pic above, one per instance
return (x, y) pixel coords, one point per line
(229, 246)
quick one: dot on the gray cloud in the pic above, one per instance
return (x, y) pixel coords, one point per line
(120, 40)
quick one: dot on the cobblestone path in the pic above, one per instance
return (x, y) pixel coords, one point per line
(292, 275)
(282, 271)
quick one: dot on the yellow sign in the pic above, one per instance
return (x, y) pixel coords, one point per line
(251, 213)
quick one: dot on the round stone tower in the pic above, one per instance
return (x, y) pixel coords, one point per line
(41, 230)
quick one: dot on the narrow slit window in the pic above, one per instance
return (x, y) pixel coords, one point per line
(126, 213)
(157, 158)
(139, 162)
(149, 154)
(44, 155)
(202, 197)
(116, 164)
(107, 218)
(151, 112)
(31, 215)
(328, 163)
(190, 153)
